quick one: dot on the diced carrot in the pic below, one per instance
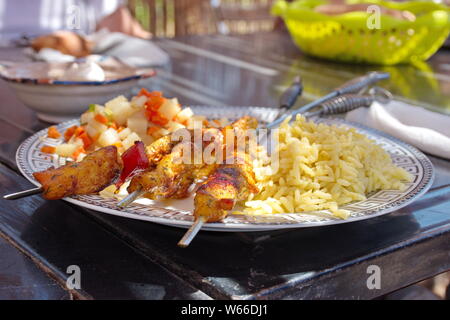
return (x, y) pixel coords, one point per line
(86, 140)
(155, 102)
(159, 119)
(79, 131)
(120, 128)
(113, 125)
(53, 132)
(149, 114)
(69, 133)
(77, 152)
(48, 149)
(101, 118)
(145, 92)
(152, 130)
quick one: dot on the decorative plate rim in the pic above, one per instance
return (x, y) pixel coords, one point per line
(183, 219)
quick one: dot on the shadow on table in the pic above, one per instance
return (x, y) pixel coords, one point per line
(62, 236)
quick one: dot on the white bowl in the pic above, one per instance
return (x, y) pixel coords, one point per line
(57, 100)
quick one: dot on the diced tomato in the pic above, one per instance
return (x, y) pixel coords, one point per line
(77, 152)
(134, 160)
(101, 118)
(69, 133)
(53, 133)
(48, 149)
(152, 130)
(226, 204)
(86, 140)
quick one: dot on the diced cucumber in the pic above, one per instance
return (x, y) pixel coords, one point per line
(184, 114)
(138, 101)
(108, 137)
(124, 133)
(66, 149)
(169, 109)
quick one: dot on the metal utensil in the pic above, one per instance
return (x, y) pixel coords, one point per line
(349, 102)
(352, 86)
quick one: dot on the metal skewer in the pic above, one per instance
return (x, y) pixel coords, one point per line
(130, 198)
(191, 233)
(23, 194)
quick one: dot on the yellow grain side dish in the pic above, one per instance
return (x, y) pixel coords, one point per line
(321, 167)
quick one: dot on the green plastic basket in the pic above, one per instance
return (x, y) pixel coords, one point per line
(347, 38)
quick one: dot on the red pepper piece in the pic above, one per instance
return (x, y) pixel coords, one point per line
(134, 160)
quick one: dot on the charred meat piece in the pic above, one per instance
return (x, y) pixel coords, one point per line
(161, 181)
(159, 148)
(172, 177)
(95, 172)
(229, 184)
(177, 171)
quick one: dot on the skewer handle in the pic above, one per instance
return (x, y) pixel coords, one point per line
(191, 233)
(353, 86)
(23, 194)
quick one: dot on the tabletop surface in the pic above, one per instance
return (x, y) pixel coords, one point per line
(130, 259)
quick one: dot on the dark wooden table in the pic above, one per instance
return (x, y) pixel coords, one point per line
(122, 258)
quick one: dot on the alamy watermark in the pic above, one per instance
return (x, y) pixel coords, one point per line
(73, 17)
(374, 19)
(74, 280)
(374, 280)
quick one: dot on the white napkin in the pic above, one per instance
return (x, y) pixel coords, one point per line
(426, 130)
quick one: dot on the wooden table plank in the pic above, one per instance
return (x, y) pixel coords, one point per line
(21, 279)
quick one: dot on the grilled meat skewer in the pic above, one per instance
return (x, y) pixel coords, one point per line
(94, 173)
(219, 193)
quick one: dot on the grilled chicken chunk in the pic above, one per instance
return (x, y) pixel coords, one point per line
(94, 173)
(229, 184)
(177, 171)
(161, 181)
(159, 148)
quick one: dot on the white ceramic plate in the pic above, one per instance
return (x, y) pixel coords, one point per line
(176, 212)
